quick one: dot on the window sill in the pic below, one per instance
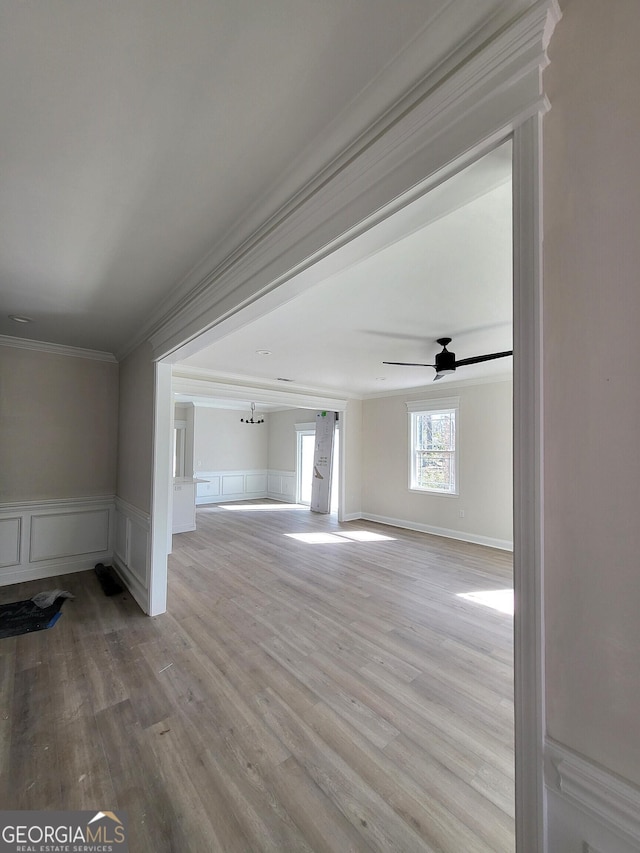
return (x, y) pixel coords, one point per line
(434, 492)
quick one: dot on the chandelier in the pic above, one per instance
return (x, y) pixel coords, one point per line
(251, 419)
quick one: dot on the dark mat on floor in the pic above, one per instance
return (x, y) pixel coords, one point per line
(108, 580)
(24, 617)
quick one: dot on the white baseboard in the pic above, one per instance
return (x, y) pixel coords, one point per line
(588, 807)
(42, 539)
(352, 516)
(488, 541)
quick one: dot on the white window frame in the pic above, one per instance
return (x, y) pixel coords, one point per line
(416, 408)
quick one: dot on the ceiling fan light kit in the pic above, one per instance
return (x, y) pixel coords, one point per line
(446, 361)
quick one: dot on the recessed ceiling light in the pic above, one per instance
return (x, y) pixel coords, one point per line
(17, 318)
(263, 352)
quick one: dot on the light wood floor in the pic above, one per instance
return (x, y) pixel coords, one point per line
(299, 695)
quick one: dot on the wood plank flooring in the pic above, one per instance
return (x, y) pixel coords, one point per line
(325, 692)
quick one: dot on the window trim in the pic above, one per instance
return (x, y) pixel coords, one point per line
(439, 404)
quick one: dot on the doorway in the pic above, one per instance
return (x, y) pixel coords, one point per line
(304, 466)
(527, 439)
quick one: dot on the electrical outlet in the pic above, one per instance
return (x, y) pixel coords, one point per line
(461, 513)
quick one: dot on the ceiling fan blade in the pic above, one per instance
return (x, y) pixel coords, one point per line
(408, 364)
(476, 359)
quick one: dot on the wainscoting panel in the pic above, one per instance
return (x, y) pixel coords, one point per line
(40, 539)
(245, 485)
(208, 492)
(273, 483)
(282, 486)
(233, 484)
(230, 486)
(132, 550)
(10, 541)
(588, 808)
(120, 546)
(69, 534)
(256, 484)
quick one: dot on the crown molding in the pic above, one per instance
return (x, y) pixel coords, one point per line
(57, 349)
(483, 93)
(202, 386)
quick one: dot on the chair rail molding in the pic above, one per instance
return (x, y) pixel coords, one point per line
(612, 804)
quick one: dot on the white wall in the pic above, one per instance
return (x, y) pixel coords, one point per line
(132, 549)
(352, 448)
(283, 442)
(222, 443)
(135, 434)
(58, 442)
(485, 464)
(58, 425)
(592, 395)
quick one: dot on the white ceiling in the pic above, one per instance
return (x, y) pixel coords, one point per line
(139, 136)
(441, 267)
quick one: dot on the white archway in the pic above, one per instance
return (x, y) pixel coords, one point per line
(445, 125)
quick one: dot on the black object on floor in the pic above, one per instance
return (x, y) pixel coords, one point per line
(108, 580)
(24, 617)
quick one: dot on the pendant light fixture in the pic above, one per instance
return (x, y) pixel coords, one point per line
(251, 419)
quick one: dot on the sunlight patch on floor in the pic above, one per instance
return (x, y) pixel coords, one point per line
(365, 536)
(497, 599)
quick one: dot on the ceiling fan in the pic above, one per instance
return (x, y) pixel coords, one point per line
(446, 361)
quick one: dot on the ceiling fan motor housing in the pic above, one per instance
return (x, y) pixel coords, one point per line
(445, 361)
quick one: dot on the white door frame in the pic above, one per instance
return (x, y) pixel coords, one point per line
(494, 94)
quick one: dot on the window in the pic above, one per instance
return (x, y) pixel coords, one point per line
(179, 448)
(433, 463)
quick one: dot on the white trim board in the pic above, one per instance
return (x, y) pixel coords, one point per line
(198, 388)
(461, 535)
(57, 349)
(596, 808)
